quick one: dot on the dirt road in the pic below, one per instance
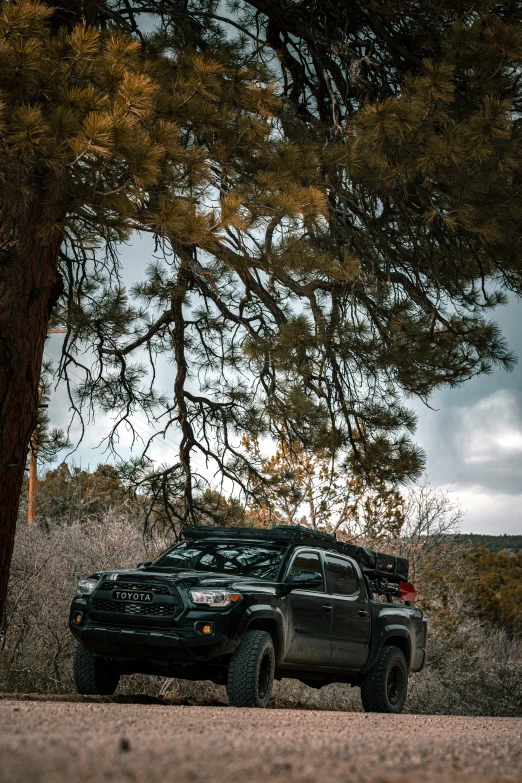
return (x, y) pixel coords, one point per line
(50, 741)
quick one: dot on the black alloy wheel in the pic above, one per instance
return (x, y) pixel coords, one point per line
(385, 688)
(395, 683)
(251, 671)
(265, 677)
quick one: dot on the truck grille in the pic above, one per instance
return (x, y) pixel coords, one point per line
(119, 607)
(155, 588)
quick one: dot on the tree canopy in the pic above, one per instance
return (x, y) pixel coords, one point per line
(334, 194)
(367, 239)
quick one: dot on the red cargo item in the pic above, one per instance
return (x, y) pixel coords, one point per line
(408, 592)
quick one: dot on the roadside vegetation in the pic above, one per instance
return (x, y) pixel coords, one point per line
(474, 645)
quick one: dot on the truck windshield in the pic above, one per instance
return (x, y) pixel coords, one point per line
(243, 559)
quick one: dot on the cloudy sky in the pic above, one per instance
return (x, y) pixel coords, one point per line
(473, 440)
(472, 436)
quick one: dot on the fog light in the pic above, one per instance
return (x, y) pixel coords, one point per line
(203, 628)
(78, 617)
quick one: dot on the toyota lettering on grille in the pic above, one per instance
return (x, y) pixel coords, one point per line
(132, 595)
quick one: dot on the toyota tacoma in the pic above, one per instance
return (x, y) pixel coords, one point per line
(242, 606)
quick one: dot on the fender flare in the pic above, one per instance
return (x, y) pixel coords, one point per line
(389, 632)
(265, 612)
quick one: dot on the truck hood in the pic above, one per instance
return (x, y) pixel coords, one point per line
(187, 579)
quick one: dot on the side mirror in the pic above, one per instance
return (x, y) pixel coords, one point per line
(304, 579)
(144, 564)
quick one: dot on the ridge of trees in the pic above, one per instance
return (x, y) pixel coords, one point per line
(511, 544)
(497, 589)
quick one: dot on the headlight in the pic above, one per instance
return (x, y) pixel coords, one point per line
(86, 586)
(214, 597)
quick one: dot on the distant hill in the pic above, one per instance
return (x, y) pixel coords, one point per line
(509, 544)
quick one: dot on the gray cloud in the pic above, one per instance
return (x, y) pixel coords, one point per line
(477, 444)
(473, 437)
(473, 440)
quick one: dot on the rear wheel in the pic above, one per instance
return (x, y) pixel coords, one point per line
(385, 688)
(94, 676)
(251, 671)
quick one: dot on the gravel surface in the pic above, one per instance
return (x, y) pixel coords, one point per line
(60, 741)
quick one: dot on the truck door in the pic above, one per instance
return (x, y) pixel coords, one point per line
(310, 615)
(351, 615)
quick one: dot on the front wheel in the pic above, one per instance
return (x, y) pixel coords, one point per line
(94, 676)
(385, 688)
(251, 671)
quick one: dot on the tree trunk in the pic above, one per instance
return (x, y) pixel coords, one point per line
(29, 289)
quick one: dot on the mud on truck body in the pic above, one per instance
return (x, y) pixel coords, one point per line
(241, 606)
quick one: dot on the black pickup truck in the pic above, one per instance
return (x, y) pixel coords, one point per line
(241, 606)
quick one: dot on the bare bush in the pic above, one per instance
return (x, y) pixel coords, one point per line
(471, 669)
(479, 673)
(36, 645)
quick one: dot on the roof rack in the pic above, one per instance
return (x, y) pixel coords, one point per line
(372, 563)
(284, 533)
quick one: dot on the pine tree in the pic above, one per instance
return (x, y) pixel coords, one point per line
(47, 442)
(98, 138)
(78, 146)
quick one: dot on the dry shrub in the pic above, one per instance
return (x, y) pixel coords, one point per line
(336, 696)
(478, 672)
(36, 645)
(471, 670)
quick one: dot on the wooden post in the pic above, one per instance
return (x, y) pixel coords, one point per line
(33, 465)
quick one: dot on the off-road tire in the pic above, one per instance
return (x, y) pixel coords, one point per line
(251, 671)
(385, 688)
(93, 676)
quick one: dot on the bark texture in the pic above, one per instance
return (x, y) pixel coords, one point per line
(29, 288)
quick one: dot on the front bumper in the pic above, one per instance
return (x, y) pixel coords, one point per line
(180, 640)
(138, 643)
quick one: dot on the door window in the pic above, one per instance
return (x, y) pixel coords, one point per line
(310, 563)
(341, 576)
